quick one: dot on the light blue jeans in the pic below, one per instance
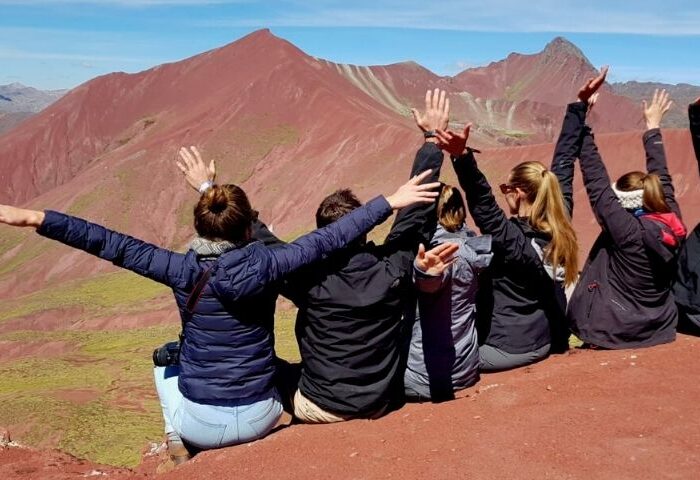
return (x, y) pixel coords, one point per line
(212, 426)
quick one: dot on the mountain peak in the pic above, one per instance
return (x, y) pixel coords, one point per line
(560, 46)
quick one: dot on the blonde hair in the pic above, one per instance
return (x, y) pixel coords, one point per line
(451, 211)
(653, 198)
(549, 215)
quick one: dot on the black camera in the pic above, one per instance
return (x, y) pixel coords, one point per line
(167, 355)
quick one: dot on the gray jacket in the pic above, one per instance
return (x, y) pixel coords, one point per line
(444, 352)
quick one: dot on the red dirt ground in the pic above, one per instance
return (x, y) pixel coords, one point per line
(589, 414)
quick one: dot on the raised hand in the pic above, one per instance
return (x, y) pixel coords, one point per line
(192, 166)
(453, 143)
(19, 217)
(592, 85)
(435, 261)
(413, 192)
(437, 111)
(592, 101)
(655, 111)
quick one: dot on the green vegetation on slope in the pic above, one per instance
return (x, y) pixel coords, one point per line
(112, 370)
(112, 292)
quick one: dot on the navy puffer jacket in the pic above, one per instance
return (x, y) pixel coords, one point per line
(228, 352)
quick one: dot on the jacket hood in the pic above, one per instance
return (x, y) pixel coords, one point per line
(664, 235)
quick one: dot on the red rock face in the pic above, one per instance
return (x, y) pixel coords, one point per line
(286, 126)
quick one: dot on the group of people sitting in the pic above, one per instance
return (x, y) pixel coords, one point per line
(418, 317)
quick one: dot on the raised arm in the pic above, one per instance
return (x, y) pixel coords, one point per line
(416, 223)
(568, 146)
(200, 177)
(694, 118)
(610, 215)
(238, 274)
(567, 150)
(122, 250)
(507, 238)
(654, 145)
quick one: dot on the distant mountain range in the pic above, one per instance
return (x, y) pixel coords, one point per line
(18, 102)
(682, 95)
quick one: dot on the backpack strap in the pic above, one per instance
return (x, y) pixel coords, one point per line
(193, 299)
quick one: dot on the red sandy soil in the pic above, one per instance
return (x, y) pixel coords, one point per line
(589, 414)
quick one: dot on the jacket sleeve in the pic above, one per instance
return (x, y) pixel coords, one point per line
(239, 274)
(417, 221)
(508, 239)
(614, 219)
(124, 251)
(694, 117)
(568, 149)
(656, 163)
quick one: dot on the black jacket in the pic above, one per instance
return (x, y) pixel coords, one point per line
(349, 326)
(623, 298)
(687, 286)
(521, 308)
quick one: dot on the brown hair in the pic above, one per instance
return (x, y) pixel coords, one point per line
(335, 206)
(653, 198)
(451, 212)
(224, 213)
(548, 215)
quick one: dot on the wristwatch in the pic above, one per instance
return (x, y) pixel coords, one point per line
(429, 134)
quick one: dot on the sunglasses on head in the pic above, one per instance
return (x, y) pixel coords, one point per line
(505, 188)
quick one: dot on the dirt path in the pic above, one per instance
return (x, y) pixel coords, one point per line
(587, 415)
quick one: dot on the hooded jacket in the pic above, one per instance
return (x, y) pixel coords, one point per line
(227, 353)
(444, 353)
(623, 298)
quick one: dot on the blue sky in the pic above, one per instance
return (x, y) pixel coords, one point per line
(62, 43)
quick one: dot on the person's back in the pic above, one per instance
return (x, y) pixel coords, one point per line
(623, 298)
(349, 328)
(444, 352)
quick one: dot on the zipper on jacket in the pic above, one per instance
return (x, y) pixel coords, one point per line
(591, 288)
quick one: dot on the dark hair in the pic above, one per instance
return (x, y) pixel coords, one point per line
(335, 206)
(224, 213)
(451, 212)
(653, 198)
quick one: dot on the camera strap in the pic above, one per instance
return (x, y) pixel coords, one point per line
(193, 299)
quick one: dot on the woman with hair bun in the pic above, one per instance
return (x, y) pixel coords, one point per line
(623, 298)
(220, 392)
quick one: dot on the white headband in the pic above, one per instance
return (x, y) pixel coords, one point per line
(631, 200)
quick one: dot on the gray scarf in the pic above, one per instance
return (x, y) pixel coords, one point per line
(209, 248)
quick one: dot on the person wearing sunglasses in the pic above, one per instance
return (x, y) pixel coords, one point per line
(521, 304)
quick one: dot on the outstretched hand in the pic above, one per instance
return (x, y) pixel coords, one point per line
(452, 142)
(435, 261)
(655, 111)
(19, 217)
(437, 111)
(592, 85)
(192, 166)
(414, 192)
